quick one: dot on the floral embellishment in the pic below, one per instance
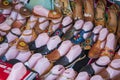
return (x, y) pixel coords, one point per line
(5, 3)
(1, 39)
(22, 44)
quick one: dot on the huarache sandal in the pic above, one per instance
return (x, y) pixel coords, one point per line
(89, 10)
(100, 13)
(112, 18)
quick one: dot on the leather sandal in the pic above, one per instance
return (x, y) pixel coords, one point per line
(95, 51)
(59, 31)
(37, 29)
(89, 69)
(18, 23)
(89, 10)
(105, 75)
(50, 30)
(100, 13)
(112, 18)
(34, 35)
(78, 38)
(69, 34)
(65, 62)
(108, 52)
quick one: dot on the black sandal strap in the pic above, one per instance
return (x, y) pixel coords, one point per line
(15, 34)
(100, 65)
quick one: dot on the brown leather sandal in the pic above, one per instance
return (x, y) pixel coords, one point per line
(95, 50)
(50, 30)
(89, 10)
(107, 52)
(112, 18)
(38, 30)
(105, 75)
(100, 13)
(34, 35)
(54, 55)
(78, 12)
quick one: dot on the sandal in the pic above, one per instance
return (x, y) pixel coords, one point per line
(70, 33)
(52, 14)
(78, 38)
(32, 34)
(78, 12)
(53, 27)
(88, 43)
(95, 51)
(105, 75)
(38, 28)
(56, 54)
(3, 16)
(20, 21)
(100, 13)
(59, 31)
(112, 18)
(65, 61)
(89, 69)
(89, 10)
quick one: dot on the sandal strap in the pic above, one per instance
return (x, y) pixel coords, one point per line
(66, 25)
(14, 34)
(118, 69)
(107, 52)
(100, 65)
